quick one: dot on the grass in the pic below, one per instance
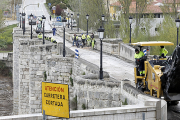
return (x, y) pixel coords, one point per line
(4, 51)
(6, 35)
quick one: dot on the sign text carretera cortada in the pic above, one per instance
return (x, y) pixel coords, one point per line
(55, 99)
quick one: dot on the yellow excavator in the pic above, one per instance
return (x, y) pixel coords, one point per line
(162, 74)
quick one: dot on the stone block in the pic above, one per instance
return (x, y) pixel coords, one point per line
(150, 114)
(116, 97)
(39, 73)
(110, 97)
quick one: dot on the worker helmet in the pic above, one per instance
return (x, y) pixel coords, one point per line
(136, 50)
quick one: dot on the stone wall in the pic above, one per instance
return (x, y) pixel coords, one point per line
(95, 93)
(126, 51)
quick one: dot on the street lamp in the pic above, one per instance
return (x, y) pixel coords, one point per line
(23, 20)
(130, 22)
(102, 19)
(101, 36)
(31, 17)
(78, 22)
(68, 20)
(64, 25)
(43, 20)
(20, 19)
(87, 16)
(71, 20)
(177, 25)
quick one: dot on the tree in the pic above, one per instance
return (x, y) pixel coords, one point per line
(95, 9)
(59, 11)
(126, 4)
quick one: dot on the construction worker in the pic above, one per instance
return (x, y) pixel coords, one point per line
(40, 35)
(163, 52)
(139, 61)
(92, 36)
(83, 38)
(93, 42)
(53, 40)
(54, 31)
(88, 40)
(75, 39)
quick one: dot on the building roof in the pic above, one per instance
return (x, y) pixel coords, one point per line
(116, 4)
(172, 1)
(153, 7)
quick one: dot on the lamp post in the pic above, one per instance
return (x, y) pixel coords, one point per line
(87, 16)
(43, 20)
(130, 22)
(20, 19)
(68, 20)
(31, 16)
(102, 19)
(177, 25)
(71, 20)
(101, 36)
(64, 25)
(23, 22)
(78, 22)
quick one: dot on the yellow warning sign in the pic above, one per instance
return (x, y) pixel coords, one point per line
(55, 99)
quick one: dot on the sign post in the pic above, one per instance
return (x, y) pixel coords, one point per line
(54, 11)
(55, 99)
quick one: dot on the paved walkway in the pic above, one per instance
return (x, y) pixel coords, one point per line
(116, 67)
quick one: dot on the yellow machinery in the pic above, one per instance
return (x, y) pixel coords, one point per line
(152, 83)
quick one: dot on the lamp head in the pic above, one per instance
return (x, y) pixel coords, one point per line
(31, 16)
(43, 19)
(78, 15)
(103, 17)
(101, 32)
(64, 22)
(130, 20)
(177, 22)
(87, 16)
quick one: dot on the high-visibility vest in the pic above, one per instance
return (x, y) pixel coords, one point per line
(76, 37)
(88, 38)
(139, 55)
(52, 39)
(163, 50)
(40, 35)
(83, 36)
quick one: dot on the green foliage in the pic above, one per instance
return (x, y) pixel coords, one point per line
(83, 106)
(62, 6)
(71, 71)
(110, 30)
(6, 36)
(94, 8)
(71, 80)
(63, 3)
(74, 103)
(167, 32)
(125, 102)
(45, 76)
(83, 73)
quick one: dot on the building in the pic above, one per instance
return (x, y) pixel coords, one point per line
(154, 7)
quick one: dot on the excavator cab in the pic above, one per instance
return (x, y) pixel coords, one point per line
(161, 78)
